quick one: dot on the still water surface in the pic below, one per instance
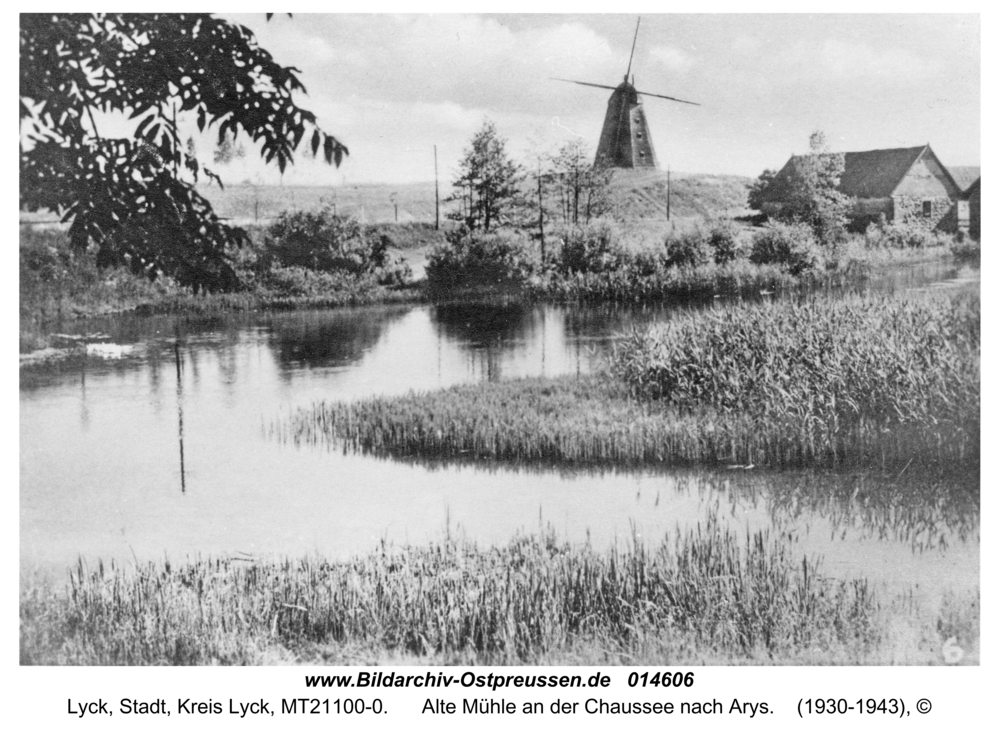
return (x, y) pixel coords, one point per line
(158, 446)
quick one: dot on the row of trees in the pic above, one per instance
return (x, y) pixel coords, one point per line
(493, 190)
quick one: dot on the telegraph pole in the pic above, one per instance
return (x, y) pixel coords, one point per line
(668, 192)
(541, 213)
(437, 205)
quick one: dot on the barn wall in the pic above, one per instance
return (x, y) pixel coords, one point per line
(974, 221)
(926, 179)
(910, 209)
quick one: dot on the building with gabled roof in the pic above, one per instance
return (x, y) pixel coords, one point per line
(901, 184)
(969, 207)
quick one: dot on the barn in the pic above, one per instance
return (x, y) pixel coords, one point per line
(901, 184)
(969, 205)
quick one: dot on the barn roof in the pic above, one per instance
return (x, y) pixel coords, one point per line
(867, 174)
(876, 173)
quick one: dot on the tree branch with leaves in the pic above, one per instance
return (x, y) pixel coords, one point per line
(134, 196)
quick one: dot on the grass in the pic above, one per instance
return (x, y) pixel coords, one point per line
(634, 196)
(708, 592)
(857, 383)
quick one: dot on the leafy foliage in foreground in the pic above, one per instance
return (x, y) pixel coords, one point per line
(134, 195)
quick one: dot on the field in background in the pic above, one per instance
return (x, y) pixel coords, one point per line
(635, 196)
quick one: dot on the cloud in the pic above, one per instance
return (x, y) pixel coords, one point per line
(839, 60)
(673, 59)
(471, 60)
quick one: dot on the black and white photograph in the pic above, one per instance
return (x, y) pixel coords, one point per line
(643, 341)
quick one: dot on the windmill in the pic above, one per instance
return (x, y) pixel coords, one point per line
(625, 140)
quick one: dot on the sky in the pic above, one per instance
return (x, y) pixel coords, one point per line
(391, 87)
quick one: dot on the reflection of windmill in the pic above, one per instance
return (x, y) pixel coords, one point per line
(625, 140)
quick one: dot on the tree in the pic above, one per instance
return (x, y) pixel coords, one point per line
(227, 149)
(133, 196)
(581, 188)
(813, 190)
(755, 194)
(488, 183)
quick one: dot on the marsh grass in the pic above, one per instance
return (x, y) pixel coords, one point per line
(839, 374)
(708, 590)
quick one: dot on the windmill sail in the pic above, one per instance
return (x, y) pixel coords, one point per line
(625, 140)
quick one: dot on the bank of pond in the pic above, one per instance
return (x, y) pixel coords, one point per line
(319, 260)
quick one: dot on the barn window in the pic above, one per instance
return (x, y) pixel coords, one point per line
(927, 207)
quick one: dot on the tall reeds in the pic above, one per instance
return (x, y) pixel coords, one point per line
(839, 376)
(709, 589)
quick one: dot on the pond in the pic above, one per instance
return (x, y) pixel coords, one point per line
(157, 443)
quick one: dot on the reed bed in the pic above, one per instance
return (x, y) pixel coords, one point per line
(709, 590)
(838, 374)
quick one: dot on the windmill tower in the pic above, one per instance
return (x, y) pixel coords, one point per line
(625, 139)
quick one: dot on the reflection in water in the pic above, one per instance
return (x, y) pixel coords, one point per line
(317, 339)
(180, 408)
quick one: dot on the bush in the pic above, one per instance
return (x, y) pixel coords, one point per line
(793, 246)
(57, 279)
(325, 242)
(303, 282)
(723, 238)
(966, 248)
(689, 249)
(593, 248)
(472, 259)
(901, 235)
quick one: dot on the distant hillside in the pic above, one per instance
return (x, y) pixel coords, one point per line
(635, 196)
(692, 195)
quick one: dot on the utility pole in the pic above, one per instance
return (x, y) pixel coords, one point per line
(541, 212)
(437, 204)
(668, 192)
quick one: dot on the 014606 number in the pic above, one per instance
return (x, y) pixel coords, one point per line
(661, 679)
